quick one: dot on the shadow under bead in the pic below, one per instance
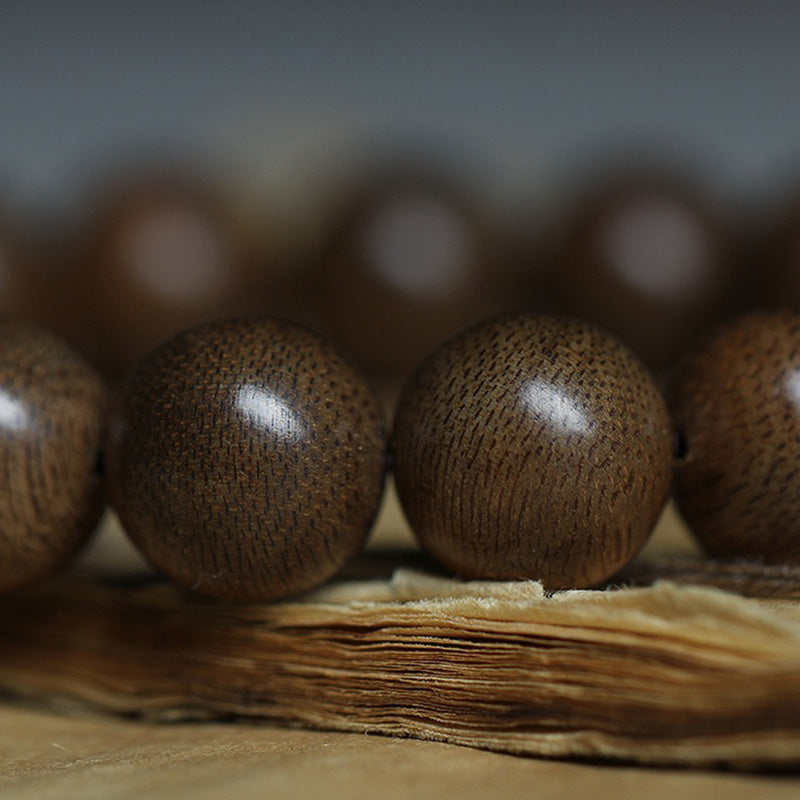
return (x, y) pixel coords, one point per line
(736, 403)
(247, 459)
(532, 447)
(52, 422)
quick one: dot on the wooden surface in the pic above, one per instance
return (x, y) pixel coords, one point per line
(58, 756)
(69, 754)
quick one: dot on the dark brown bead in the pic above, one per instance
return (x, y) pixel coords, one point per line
(20, 295)
(772, 261)
(736, 404)
(159, 254)
(247, 459)
(533, 447)
(52, 418)
(409, 264)
(647, 260)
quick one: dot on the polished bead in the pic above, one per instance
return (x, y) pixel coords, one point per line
(736, 406)
(532, 447)
(246, 459)
(409, 264)
(52, 418)
(646, 259)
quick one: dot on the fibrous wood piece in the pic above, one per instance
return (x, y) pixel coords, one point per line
(661, 675)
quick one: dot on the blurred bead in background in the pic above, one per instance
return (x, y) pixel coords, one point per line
(18, 287)
(645, 257)
(773, 261)
(409, 261)
(159, 253)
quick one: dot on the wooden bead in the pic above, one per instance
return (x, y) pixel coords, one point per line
(158, 255)
(409, 264)
(532, 447)
(52, 418)
(646, 259)
(736, 404)
(246, 459)
(772, 261)
(20, 296)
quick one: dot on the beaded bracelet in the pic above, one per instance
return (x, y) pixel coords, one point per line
(246, 458)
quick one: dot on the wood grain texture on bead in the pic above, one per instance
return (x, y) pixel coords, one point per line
(736, 403)
(52, 419)
(532, 447)
(247, 459)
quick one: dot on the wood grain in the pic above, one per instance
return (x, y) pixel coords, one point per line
(736, 401)
(664, 675)
(744, 578)
(532, 447)
(247, 459)
(52, 422)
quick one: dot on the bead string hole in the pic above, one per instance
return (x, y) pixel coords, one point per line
(680, 447)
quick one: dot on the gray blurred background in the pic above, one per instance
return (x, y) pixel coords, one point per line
(516, 91)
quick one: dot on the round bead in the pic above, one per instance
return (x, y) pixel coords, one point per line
(409, 265)
(52, 419)
(532, 447)
(246, 460)
(645, 259)
(736, 405)
(158, 255)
